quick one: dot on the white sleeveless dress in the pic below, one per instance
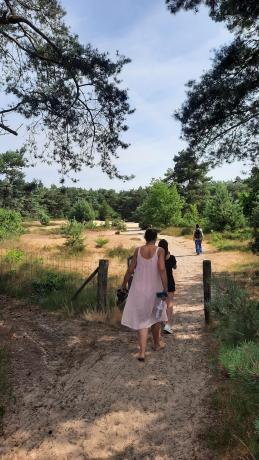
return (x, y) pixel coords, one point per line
(139, 309)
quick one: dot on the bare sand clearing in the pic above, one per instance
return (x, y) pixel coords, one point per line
(81, 394)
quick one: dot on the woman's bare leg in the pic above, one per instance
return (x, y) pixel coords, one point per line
(156, 328)
(142, 341)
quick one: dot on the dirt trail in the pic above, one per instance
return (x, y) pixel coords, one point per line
(81, 394)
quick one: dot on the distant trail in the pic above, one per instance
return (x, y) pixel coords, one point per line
(81, 393)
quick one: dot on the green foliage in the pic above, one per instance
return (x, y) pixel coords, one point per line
(219, 117)
(231, 241)
(73, 232)
(91, 225)
(222, 212)
(10, 224)
(48, 282)
(237, 314)
(107, 225)
(75, 243)
(44, 218)
(82, 212)
(100, 242)
(191, 216)
(237, 399)
(51, 289)
(73, 227)
(190, 177)
(121, 252)
(14, 256)
(105, 211)
(162, 206)
(241, 361)
(71, 90)
(119, 225)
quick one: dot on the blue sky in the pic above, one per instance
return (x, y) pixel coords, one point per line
(166, 51)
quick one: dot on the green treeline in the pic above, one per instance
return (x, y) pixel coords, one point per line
(184, 196)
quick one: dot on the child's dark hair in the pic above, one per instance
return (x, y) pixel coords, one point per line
(164, 244)
(150, 235)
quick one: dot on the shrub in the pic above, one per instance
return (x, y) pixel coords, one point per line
(91, 225)
(44, 218)
(161, 208)
(119, 225)
(49, 281)
(120, 252)
(100, 242)
(237, 314)
(241, 361)
(72, 228)
(73, 232)
(222, 212)
(10, 223)
(237, 397)
(107, 225)
(14, 256)
(82, 212)
(75, 243)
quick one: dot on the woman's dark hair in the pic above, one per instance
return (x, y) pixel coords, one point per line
(150, 235)
(164, 244)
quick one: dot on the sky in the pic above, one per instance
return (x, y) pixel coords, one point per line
(165, 51)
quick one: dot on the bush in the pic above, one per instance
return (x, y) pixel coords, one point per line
(91, 225)
(236, 398)
(241, 361)
(222, 212)
(10, 223)
(161, 208)
(100, 242)
(119, 225)
(120, 252)
(82, 212)
(75, 243)
(44, 218)
(14, 256)
(237, 314)
(72, 228)
(49, 281)
(73, 232)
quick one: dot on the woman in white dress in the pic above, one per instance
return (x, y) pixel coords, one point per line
(148, 267)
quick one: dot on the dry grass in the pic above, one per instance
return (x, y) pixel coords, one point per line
(47, 244)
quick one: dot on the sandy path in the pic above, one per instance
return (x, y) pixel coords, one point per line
(81, 394)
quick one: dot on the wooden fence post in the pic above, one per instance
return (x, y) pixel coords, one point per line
(207, 288)
(102, 284)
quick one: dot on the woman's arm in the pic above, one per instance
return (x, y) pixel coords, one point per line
(130, 270)
(162, 269)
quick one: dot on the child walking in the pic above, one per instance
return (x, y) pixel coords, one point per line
(170, 265)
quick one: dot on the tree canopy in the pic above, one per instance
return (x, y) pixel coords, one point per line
(69, 94)
(189, 175)
(220, 115)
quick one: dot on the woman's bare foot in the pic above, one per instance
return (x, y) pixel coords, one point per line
(160, 346)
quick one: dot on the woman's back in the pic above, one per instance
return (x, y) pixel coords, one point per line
(138, 312)
(148, 251)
